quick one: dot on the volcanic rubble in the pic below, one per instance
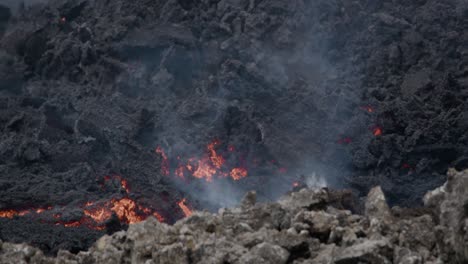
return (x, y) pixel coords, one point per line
(101, 100)
(307, 226)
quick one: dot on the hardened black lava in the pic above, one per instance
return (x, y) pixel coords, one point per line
(361, 93)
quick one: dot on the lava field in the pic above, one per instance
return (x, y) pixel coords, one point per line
(115, 111)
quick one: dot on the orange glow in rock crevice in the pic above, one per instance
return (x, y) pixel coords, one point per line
(11, 213)
(123, 182)
(204, 170)
(8, 213)
(238, 173)
(165, 161)
(99, 215)
(377, 131)
(95, 214)
(216, 159)
(185, 208)
(212, 164)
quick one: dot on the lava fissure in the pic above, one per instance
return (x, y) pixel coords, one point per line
(210, 166)
(96, 214)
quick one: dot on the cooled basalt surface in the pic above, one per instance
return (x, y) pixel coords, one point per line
(306, 226)
(374, 90)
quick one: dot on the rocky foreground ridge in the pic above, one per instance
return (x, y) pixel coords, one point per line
(307, 226)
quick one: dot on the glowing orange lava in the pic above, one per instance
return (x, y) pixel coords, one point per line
(165, 161)
(8, 213)
(179, 172)
(11, 213)
(377, 131)
(95, 214)
(99, 214)
(238, 173)
(216, 159)
(212, 164)
(123, 183)
(185, 208)
(204, 170)
(125, 209)
(72, 224)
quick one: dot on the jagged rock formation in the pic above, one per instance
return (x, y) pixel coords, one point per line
(304, 227)
(88, 88)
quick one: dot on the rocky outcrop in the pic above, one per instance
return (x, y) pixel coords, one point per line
(300, 228)
(91, 88)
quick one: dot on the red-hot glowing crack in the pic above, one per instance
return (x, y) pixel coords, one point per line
(185, 208)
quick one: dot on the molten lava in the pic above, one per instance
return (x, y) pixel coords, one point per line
(99, 214)
(212, 164)
(11, 213)
(377, 131)
(204, 170)
(238, 173)
(185, 208)
(209, 166)
(216, 159)
(126, 211)
(123, 182)
(95, 214)
(8, 213)
(179, 172)
(165, 161)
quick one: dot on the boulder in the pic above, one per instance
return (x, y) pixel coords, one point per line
(266, 253)
(376, 205)
(371, 251)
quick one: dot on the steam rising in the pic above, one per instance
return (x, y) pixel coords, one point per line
(278, 101)
(314, 181)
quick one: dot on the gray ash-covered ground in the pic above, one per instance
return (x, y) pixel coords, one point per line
(363, 93)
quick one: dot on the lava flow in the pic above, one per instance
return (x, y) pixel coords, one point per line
(238, 173)
(210, 166)
(96, 214)
(185, 208)
(11, 213)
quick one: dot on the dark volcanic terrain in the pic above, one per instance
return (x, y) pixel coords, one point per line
(360, 93)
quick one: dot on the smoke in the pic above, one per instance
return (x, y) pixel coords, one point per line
(279, 101)
(315, 181)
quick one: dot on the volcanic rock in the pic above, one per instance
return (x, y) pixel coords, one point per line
(376, 205)
(5, 15)
(364, 93)
(211, 238)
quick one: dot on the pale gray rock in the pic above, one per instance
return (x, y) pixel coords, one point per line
(371, 251)
(376, 205)
(268, 253)
(317, 233)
